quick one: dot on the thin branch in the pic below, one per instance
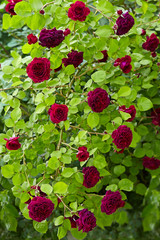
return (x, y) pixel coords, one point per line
(64, 203)
(60, 139)
(69, 146)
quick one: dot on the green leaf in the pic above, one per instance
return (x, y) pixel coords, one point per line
(16, 114)
(36, 4)
(7, 171)
(26, 48)
(124, 91)
(118, 170)
(8, 69)
(68, 172)
(11, 223)
(141, 189)
(126, 185)
(53, 163)
(6, 21)
(9, 122)
(144, 104)
(104, 31)
(60, 187)
(125, 115)
(23, 9)
(79, 177)
(93, 119)
(99, 161)
(40, 108)
(47, 188)
(75, 101)
(78, 234)
(99, 76)
(59, 220)
(41, 227)
(70, 69)
(18, 179)
(61, 232)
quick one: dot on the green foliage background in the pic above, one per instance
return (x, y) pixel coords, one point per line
(24, 107)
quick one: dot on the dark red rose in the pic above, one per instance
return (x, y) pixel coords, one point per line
(32, 39)
(91, 176)
(73, 220)
(42, 12)
(75, 58)
(98, 100)
(40, 208)
(51, 38)
(151, 163)
(86, 221)
(155, 115)
(158, 64)
(105, 56)
(58, 113)
(124, 63)
(151, 43)
(131, 110)
(154, 54)
(78, 11)
(66, 32)
(10, 6)
(119, 12)
(37, 190)
(12, 143)
(83, 154)
(58, 69)
(124, 23)
(122, 137)
(143, 32)
(111, 202)
(39, 70)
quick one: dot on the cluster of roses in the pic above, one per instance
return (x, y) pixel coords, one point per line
(39, 70)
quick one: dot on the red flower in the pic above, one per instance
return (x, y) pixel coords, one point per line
(40, 208)
(91, 176)
(98, 100)
(151, 43)
(32, 39)
(66, 32)
(78, 11)
(42, 12)
(12, 143)
(73, 220)
(122, 137)
(58, 113)
(124, 63)
(10, 6)
(124, 23)
(154, 54)
(131, 110)
(39, 70)
(111, 202)
(83, 154)
(119, 12)
(86, 221)
(75, 58)
(155, 115)
(143, 32)
(105, 56)
(37, 188)
(51, 38)
(151, 163)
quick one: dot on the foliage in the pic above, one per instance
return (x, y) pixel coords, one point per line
(47, 157)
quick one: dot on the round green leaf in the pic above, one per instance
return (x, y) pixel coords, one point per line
(126, 185)
(60, 188)
(144, 104)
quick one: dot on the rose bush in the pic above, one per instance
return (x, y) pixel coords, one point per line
(89, 135)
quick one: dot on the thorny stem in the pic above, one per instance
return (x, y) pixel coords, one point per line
(44, 6)
(97, 10)
(96, 133)
(69, 146)
(41, 180)
(64, 203)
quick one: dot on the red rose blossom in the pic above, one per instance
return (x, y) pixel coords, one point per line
(155, 115)
(10, 6)
(111, 202)
(154, 54)
(78, 11)
(91, 176)
(143, 32)
(105, 56)
(86, 221)
(151, 163)
(98, 100)
(83, 154)
(122, 137)
(40, 208)
(39, 70)
(151, 43)
(32, 39)
(131, 110)
(38, 190)
(124, 23)
(51, 38)
(42, 12)
(73, 220)
(119, 12)
(124, 63)
(66, 32)
(12, 143)
(74, 57)
(58, 113)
